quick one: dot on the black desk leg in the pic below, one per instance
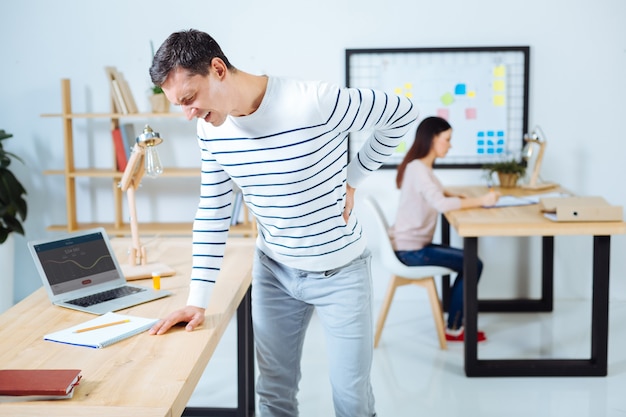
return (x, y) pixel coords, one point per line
(596, 365)
(245, 370)
(600, 304)
(470, 289)
(445, 279)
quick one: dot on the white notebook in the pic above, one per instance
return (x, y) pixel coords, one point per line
(102, 331)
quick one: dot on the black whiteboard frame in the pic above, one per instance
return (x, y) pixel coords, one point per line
(525, 50)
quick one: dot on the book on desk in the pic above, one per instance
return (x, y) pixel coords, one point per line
(37, 384)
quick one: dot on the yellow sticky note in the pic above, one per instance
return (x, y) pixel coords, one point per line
(498, 85)
(498, 100)
(471, 94)
(401, 148)
(408, 86)
(499, 71)
(397, 90)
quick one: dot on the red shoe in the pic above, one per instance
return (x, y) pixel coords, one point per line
(459, 335)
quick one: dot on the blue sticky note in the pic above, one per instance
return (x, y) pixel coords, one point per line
(460, 89)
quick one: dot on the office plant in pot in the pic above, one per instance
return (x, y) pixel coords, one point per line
(158, 100)
(509, 172)
(13, 211)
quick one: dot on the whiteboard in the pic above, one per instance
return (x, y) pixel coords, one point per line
(481, 92)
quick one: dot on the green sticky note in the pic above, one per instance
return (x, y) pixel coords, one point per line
(447, 99)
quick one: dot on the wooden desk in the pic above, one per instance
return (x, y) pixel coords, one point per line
(529, 221)
(143, 375)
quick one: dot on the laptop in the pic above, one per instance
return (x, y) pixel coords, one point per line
(80, 271)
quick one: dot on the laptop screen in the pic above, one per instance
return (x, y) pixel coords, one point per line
(76, 262)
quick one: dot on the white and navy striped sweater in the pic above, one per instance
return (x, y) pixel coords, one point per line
(289, 158)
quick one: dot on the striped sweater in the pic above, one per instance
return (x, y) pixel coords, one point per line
(289, 158)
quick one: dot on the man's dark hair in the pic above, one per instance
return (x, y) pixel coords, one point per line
(191, 49)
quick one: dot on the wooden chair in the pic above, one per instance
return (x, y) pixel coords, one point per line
(402, 274)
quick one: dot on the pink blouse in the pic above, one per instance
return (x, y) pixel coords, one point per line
(421, 200)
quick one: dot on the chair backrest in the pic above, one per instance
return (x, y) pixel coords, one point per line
(382, 229)
(387, 253)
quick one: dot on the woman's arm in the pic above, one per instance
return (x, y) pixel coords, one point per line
(488, 199)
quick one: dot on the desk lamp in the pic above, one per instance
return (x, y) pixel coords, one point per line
(144, 150)
(535, 139)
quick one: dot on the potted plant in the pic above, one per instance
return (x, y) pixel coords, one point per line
(12, 204)
(158, 100)
(509, 172)
(12, 214)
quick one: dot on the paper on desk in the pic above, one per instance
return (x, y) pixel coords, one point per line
(102, 337)
(510, 200)
(535, 198)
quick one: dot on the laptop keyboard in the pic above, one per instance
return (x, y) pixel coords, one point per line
(104, 296)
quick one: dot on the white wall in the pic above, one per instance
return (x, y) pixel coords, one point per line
(577, 90)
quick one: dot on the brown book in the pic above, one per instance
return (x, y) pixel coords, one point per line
(31, 382)
(119, 146)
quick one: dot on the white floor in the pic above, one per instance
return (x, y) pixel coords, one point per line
(413, 377)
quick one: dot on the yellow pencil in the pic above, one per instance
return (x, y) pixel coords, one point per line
(86, 329)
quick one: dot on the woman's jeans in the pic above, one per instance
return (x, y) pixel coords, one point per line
(283, 300)
(440, 255)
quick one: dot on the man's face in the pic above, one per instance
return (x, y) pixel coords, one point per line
(202, 97)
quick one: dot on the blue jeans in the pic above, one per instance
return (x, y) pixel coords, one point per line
(283, 300)
(440, 255)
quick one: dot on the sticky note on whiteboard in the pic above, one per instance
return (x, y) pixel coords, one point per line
(447, 99)
(498, 85)
(498, 100)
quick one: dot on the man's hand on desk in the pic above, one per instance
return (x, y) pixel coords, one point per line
(193, 316)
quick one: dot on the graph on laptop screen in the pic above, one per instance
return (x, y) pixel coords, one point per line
(76, 262)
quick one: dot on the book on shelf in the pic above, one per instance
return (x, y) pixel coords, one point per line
(38, 384)
(123, 100)
(120, 149)
(127, 95)
(102, 331)
(117, 93)
(129, 136)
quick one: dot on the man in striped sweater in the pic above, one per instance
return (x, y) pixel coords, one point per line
(284, 143)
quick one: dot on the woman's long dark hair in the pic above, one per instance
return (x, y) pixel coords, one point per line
(426, 132)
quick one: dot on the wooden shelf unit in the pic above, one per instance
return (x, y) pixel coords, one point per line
(118, 227)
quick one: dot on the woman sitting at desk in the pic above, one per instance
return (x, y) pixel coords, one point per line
(422, 198)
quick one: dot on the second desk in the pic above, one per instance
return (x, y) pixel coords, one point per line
(521, 221)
